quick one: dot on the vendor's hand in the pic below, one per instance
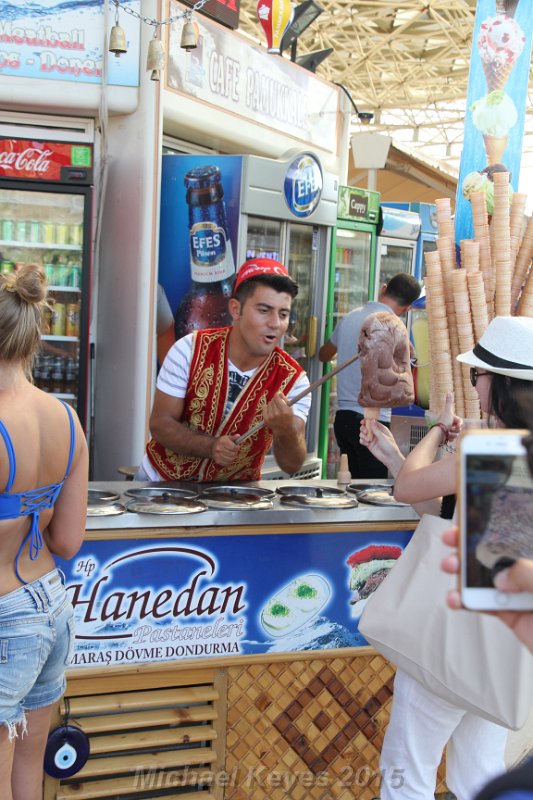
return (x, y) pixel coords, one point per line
(450, 419)
(224, 450)
(381, 443)
(278, 415)
(518, 578)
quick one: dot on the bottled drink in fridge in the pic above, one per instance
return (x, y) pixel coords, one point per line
(212, 266)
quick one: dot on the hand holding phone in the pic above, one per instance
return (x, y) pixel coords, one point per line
(495, 496)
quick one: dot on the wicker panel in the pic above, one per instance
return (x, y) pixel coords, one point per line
(307, 729)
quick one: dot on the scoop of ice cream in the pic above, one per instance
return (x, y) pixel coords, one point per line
(494, 114)
(384, 355)
(482, 182)
(500, 41)
(475, 182)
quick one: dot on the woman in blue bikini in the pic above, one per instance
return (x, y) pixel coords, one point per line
(43, 503)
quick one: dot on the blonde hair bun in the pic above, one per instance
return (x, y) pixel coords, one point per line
(29, 282)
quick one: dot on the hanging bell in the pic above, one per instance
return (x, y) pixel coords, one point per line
(117, 40)
(156, 58)
(189, 35)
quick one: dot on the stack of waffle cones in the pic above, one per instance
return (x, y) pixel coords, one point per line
(493, 279)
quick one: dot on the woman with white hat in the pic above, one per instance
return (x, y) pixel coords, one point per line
(421, 724)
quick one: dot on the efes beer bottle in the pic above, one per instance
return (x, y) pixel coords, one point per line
(212, 267)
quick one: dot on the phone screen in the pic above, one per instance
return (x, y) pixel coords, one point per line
(498, 515)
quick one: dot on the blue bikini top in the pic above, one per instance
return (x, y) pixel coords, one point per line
(14, 505)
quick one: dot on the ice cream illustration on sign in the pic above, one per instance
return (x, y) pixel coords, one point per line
(368, 569)
(500, 43)
(295, 605)
(494, 115)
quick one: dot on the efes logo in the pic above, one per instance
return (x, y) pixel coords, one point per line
(303, 185)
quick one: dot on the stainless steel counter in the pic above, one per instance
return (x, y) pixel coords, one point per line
(278, 515)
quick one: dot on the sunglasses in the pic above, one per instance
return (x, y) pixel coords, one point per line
(475, 374)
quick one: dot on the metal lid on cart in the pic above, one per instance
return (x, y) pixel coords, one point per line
(162, 505)
(315, 497)
(237, 497)
(105, 509)
(101, 496)
(162, 493)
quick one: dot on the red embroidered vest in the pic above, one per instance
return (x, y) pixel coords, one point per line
(205, 401)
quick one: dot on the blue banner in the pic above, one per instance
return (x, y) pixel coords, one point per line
(63, 40)
(150, 600)
(496, 102)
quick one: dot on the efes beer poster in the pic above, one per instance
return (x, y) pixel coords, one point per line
(496, 103)
(206, 597)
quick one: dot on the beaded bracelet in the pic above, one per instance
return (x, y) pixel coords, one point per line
(446, 431)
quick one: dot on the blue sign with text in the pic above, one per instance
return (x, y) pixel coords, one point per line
(171, 599)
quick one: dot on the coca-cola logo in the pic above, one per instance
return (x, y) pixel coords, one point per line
(29, 160)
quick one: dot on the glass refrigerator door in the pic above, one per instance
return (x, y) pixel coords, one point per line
(352, 271)
(263, 238)
(351, 286)
(393, 256)
(46, 228)
(301, 337)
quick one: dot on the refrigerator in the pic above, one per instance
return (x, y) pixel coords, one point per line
(283, 209)
(350, 285)
(427, 239)
(397, 243)
(45, 218)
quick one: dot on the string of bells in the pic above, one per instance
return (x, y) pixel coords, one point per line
(155, 60)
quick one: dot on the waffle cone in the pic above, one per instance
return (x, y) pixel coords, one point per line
(495, 147)
(497, 77)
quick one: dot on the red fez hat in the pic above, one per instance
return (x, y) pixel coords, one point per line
(255, 267)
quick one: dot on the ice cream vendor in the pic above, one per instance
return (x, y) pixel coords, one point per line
(216, 384)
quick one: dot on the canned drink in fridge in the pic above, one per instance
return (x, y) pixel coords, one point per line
(50, 272)
(20, 231)
(7, 266)
(62, 274)
(75, 234)
(46, 324)
(61, 233)
(7, 230)
(72, 325)
(49, 232)
(34, 231)
(74, 276)
(58, 322)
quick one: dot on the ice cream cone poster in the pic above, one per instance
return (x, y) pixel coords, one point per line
(275, 17)
(496, 101)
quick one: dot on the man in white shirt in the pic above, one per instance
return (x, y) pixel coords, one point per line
(216, 384)
(395, 297)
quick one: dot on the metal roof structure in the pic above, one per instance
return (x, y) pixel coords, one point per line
(405, 62)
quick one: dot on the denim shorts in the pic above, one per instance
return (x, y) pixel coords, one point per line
(36, 644)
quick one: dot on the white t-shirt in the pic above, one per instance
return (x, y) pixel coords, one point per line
(174, 376)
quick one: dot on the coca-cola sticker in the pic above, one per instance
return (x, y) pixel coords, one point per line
(35, 160)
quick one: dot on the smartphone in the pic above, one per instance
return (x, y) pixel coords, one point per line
(495, 500)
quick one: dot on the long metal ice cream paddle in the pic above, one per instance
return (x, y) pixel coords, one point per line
(310, 388)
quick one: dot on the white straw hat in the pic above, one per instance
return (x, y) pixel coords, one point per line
(505, 348)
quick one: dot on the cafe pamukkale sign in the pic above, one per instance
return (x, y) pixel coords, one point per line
(230, 73)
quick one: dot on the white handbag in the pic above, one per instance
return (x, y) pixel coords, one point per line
(470, 659)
